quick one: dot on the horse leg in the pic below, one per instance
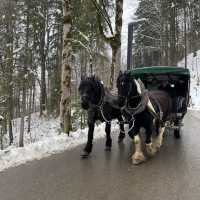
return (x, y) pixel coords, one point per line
(131, 131)
(88, 148)
(150, 146)
(108, 137)
(159, 139)
(122, 132)
(138, 156)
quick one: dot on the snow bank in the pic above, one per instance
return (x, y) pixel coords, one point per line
(193, 64)
(47, 141)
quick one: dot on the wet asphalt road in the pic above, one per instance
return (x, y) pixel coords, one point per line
(174, 174)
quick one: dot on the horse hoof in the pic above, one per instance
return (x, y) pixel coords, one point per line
(138, 158)
(120, 139)
(151, 150)
(85, 155)
(107, 148)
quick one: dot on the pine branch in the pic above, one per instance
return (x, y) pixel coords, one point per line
(106, 13)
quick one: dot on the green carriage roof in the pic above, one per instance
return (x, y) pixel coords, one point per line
(160, 70)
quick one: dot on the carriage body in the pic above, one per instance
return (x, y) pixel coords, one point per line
(175, 81)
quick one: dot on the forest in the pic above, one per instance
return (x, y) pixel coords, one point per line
(46, 46)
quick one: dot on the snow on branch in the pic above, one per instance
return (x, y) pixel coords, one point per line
(139, 20)
(1, 118)
(147, 36)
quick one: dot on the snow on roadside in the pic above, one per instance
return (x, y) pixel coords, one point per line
(193, 64)
(46, 144)
(196, 113)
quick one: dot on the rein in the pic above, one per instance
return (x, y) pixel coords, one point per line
(100, 108)
(100, 103)
(140, 107)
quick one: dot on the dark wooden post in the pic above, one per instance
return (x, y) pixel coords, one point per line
(130, 46)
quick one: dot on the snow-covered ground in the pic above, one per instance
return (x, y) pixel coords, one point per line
(193, 64)
(45, 139)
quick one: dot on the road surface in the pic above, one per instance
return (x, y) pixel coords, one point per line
(174, 174)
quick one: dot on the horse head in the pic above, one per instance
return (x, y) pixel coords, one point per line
(128, 88)
(90, 90)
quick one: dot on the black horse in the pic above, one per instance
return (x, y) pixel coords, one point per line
(150, 109)
(100, 105)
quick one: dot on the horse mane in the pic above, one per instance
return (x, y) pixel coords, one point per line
(91, 78)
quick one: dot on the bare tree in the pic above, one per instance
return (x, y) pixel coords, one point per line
(115, 39)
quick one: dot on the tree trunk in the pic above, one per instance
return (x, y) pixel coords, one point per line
(115, 40)
(112, 69)
(43, 55)
(24, 73)
(21, 136)
(65, 115)
(185, 33)
(43, 77)
(29, 110)
(9, 55)
(173, 61)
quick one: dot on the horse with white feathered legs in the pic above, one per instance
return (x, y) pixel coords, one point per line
(150, 110)
(100, 105)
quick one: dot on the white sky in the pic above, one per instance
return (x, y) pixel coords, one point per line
(130, 7)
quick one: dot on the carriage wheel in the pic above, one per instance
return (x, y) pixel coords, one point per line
(177, 130)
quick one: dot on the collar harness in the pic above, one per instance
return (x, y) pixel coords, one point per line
(100, 105)
(144, 103)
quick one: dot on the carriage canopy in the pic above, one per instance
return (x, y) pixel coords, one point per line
(174, 80)
(160, 70)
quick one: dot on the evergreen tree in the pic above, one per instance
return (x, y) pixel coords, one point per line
(147, 29)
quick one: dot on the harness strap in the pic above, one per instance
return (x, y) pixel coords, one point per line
(154, 113)
(102, 114)
(102, 96)
(145, 103)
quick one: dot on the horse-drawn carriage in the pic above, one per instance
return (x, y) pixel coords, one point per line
(175, 81)
(152, 98)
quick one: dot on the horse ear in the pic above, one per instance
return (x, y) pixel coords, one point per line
(120, 73)
(128, 75)
(94, 77)
(82, 77)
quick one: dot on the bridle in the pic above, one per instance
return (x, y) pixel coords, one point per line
(102, 95)
(139, 108)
